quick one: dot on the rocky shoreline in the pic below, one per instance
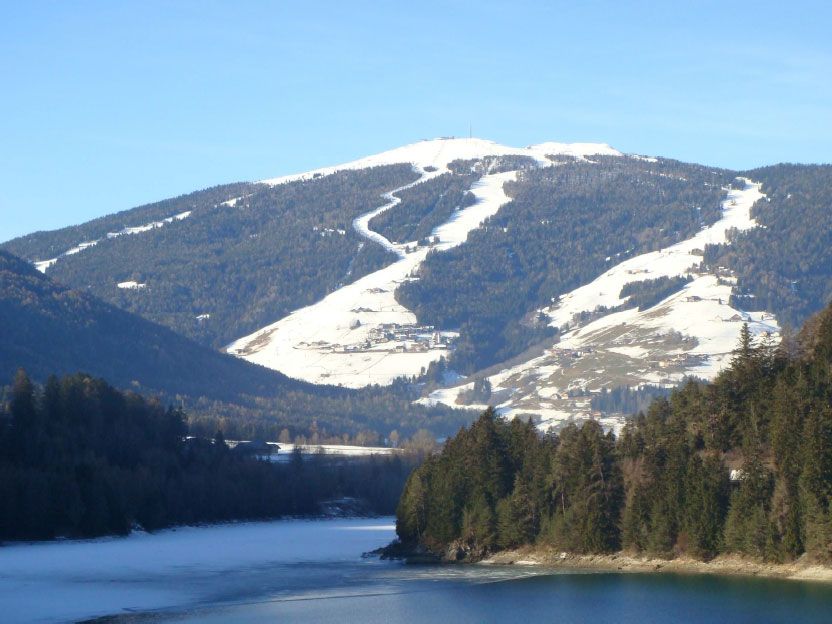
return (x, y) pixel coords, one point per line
(727, 565)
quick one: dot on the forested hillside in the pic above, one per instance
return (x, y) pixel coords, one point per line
(742, 465)
(785, 266)
(78, 458)
(45, 245)
(564, 226)
(227, 270)
(48, 328)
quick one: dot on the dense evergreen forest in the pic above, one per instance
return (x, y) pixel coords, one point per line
(742, 465)
(647, 293)
(79, 458)
(564, 226)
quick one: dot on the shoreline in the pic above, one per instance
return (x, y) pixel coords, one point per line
(137, 530)
(623, 563)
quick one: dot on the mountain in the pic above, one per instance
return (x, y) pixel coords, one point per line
(48, 328)
(558, 280)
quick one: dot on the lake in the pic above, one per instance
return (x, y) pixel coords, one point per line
(313, 571)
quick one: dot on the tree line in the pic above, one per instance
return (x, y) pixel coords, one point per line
(742, 465)
(79, 458)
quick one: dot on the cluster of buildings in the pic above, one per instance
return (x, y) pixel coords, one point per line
(403, 339)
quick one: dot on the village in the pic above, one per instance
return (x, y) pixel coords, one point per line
(397, 338)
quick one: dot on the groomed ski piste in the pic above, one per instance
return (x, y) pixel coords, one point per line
(336, 340)
(691, 333)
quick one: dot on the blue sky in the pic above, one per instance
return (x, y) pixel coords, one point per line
(110, 105)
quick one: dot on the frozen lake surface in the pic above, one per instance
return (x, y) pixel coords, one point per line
(72, 580)
(313, 571)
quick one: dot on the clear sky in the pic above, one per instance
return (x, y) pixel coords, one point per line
(108, 105)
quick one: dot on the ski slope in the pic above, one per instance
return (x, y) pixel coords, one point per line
(360, 335)
(344, 339)
(690, 333)
(673, 261)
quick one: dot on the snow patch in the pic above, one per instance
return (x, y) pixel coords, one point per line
(131, 285)
(630, 351)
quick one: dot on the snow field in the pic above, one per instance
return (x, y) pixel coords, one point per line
(439, 153)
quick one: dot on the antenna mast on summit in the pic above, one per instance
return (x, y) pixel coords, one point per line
(470, 131)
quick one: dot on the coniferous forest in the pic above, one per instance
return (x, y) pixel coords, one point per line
(742, 465)
(79, 458)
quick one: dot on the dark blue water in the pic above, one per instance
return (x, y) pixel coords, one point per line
(392, 593)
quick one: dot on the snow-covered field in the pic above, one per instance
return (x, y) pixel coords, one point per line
(72, 580)
(336, 449)
(42, 265)
(360, 335)
(286, 449)
(691, 332)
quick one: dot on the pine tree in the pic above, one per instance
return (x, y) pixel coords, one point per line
(517, 519)
(706, 488)
(635, 529)
(411, 515)
(816, 482)
(24, 414)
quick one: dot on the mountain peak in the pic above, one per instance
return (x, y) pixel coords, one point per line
(438, 153)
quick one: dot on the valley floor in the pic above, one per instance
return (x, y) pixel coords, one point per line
(726, 565)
